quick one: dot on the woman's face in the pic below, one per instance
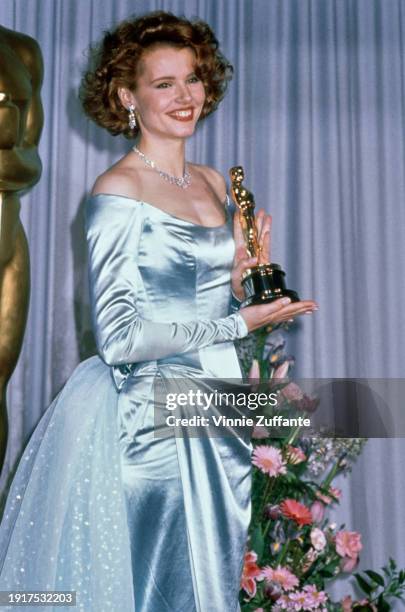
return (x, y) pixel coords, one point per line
(169, 97)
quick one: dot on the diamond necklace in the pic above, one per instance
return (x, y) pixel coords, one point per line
(182, 181)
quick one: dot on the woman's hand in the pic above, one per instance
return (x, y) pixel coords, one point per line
(241, 261)
(275, 312)
(263, 314)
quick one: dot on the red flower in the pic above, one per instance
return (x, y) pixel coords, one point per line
(299, 513)
(251, 571)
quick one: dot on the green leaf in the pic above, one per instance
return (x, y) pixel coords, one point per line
(382, 605)
(364, 585)
(330, 567)
(250, 607)
(258, 541)
(327, 573)
(376, 577)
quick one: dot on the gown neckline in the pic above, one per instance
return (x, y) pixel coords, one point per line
(167, 214)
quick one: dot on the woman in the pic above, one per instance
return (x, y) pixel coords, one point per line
(128, 519)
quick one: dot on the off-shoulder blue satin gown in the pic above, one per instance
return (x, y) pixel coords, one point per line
(100, 505)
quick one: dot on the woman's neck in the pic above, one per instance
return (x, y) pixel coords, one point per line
(168, 155)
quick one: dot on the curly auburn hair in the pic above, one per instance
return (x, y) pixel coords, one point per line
(116, 64)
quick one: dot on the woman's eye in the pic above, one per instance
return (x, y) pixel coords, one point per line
(165, 85)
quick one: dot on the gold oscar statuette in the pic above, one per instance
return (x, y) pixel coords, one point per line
(263, 282)
(21, 120)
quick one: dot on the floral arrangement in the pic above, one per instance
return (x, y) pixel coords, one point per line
(293, 550)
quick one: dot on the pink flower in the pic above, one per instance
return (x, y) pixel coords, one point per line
(308, 403)
(317, 511)
(292, 392)
(324, 498)
(282, 576)
(282, 370)
(335, 494)
(294, 455)
(284, 603)
(269, 460)
(314, 598)
(310, 557)
(348, 544)
(260, 432)
(348, 564)
(251, 571)
(347, 604)
(296, 511)
(299, 599)
(254, 372)
(318, 539)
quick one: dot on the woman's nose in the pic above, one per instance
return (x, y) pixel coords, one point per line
(183, 92)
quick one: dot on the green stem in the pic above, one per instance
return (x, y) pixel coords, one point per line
(293, 436)
(335, 468)
(267, 491)
(259, 354)
(266, 529)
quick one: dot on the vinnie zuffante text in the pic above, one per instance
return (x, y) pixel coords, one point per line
(206, 401)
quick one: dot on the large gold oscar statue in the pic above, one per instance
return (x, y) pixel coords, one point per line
(21, 120)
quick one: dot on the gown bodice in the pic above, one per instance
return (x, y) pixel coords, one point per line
(165, 272)
(182, 274)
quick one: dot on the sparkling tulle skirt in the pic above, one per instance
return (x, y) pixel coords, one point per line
(129, 522)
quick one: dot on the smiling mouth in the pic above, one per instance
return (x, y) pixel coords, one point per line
(184, 114)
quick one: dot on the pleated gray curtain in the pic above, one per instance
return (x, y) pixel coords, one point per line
(315, 114)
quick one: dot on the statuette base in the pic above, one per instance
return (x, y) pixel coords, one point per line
(265, 283)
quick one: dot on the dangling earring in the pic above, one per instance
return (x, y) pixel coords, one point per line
(131, 117)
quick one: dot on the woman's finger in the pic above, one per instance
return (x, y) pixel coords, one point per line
(300, 307)
(259, 222)
(264, 223)
(242, 265)
(240, 254)
(278, 311)
(265, 239)
(265, 247)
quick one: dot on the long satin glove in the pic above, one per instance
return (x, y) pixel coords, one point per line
(122, 335)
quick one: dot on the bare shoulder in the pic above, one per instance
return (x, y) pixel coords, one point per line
(214, 178)
(117, 180)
